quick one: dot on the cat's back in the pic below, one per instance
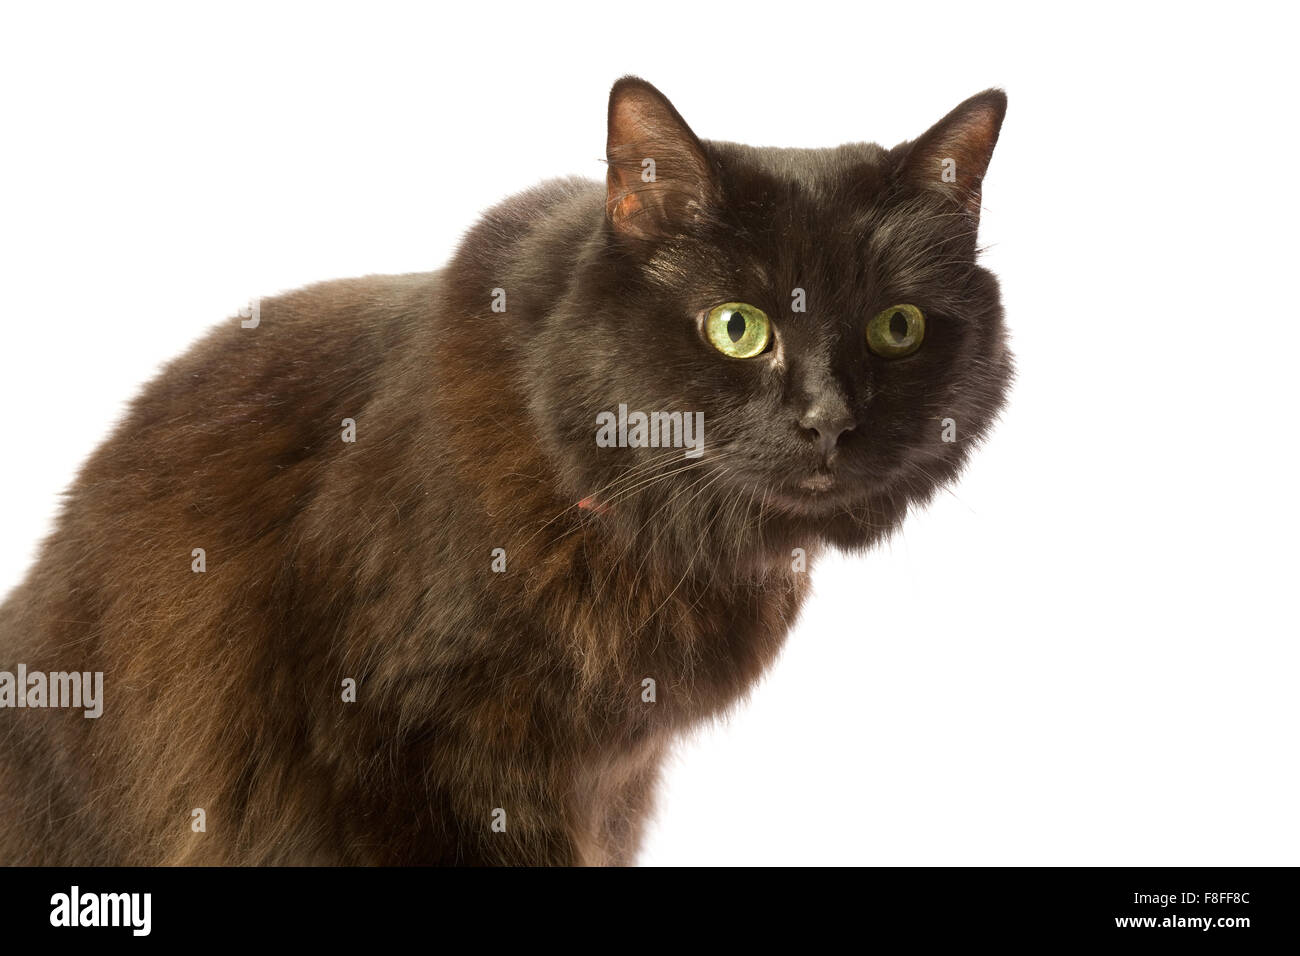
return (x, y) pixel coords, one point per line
(173, 547)
(231, 436)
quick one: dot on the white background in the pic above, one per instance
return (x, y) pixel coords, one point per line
(1085, 654)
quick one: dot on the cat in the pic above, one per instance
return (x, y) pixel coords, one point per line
(425, 569)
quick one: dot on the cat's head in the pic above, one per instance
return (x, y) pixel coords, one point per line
(822, 309)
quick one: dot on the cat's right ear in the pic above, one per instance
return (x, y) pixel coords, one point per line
(953, 155)
(659, 178)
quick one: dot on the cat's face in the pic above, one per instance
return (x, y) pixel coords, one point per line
(822, 309)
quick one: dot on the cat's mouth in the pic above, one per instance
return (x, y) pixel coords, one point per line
(818, 483)
(812, 495)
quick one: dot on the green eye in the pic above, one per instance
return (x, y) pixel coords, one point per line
(738, 330)
(896, 332)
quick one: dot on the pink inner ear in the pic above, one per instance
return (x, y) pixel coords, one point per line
(972, 144)
(627, 205)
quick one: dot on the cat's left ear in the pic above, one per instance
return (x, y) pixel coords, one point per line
(953, 155)
(660, 177)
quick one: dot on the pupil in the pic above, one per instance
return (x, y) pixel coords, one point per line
(898, 326)
(736, 326)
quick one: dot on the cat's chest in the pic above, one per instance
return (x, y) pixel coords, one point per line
(673, 653)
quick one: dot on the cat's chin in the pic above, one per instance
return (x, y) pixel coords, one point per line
(815, 497)
(842, 519)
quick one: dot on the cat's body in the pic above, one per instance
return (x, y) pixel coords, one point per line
(501, 709)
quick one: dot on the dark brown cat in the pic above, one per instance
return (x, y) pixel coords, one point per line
(391, 571)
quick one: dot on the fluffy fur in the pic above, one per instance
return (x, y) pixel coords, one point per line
(371, 560)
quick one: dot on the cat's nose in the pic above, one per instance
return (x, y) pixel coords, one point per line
(825, 424)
